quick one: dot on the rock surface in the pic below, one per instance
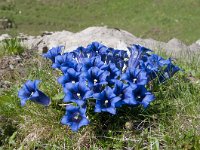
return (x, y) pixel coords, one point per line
(4, 36)
(110, 37)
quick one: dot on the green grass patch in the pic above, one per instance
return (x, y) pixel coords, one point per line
(170, 122)
(11, 46)
(161, 20)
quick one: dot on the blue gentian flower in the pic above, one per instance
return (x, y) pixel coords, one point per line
(155, 62)
(122, 54)
(109, 55)
(77, 93)
(114, 71)
(124, 92)
(64, 62)
(105, 101)
(156, 66)
(171, 69)
(119, 58)
(87, 63)
(71, 76)
(168, 72)
(80, 53)
(119, 86)
(103, 52)
(52, 53)
(151, 74)
(135, 76)
(75, 117)
(137, 52)
(30, 91)
(96, 77)
(105, 74)
(128, 97)
(94, 48)
(143, 96)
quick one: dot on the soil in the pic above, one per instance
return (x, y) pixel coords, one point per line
(12, 68)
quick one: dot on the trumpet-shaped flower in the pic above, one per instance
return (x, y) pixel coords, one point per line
(106, 100)
(75, 117)
(119, 86)
(52, 53)
(113, 70)
(154, 65)
(77, 93)
(155, 62)
(95, 48)
(80, 53)
(87, 63)
(137, 52)
(64, 62)
(143, 96)
(30, 91)
(124, 91)
(95, 77)
(168, 72)
(70, 76)
(109, 56)
(135, 76)
(118, 57)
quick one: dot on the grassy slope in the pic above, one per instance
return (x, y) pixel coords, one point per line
(171, 122)
(161, 20)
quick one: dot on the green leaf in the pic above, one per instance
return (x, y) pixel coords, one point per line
(58, 96)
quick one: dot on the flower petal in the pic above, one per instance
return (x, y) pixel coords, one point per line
(83, 122)
(67, 97)
(74, 127)
(41, 98)
(65, 120)
(148, 98)
(111, 110)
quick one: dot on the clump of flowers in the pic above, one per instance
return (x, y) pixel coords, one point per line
(110, 77)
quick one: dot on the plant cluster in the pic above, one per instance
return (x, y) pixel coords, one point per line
(109, 77)
(12, 46)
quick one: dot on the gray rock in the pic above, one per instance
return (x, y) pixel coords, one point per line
(115, 38)
(48, 39)
(198, 42)
(111, 37)
(194, 47)
(4, 36)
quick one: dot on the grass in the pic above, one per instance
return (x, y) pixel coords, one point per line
(161, 20)
(11, 47)
(171, 122)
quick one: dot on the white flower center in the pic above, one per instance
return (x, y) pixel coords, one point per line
(79, 95)
(76, 117)
(126, 59)
(31, 93)
(95, 80)
(106, 103)
(134, 80)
